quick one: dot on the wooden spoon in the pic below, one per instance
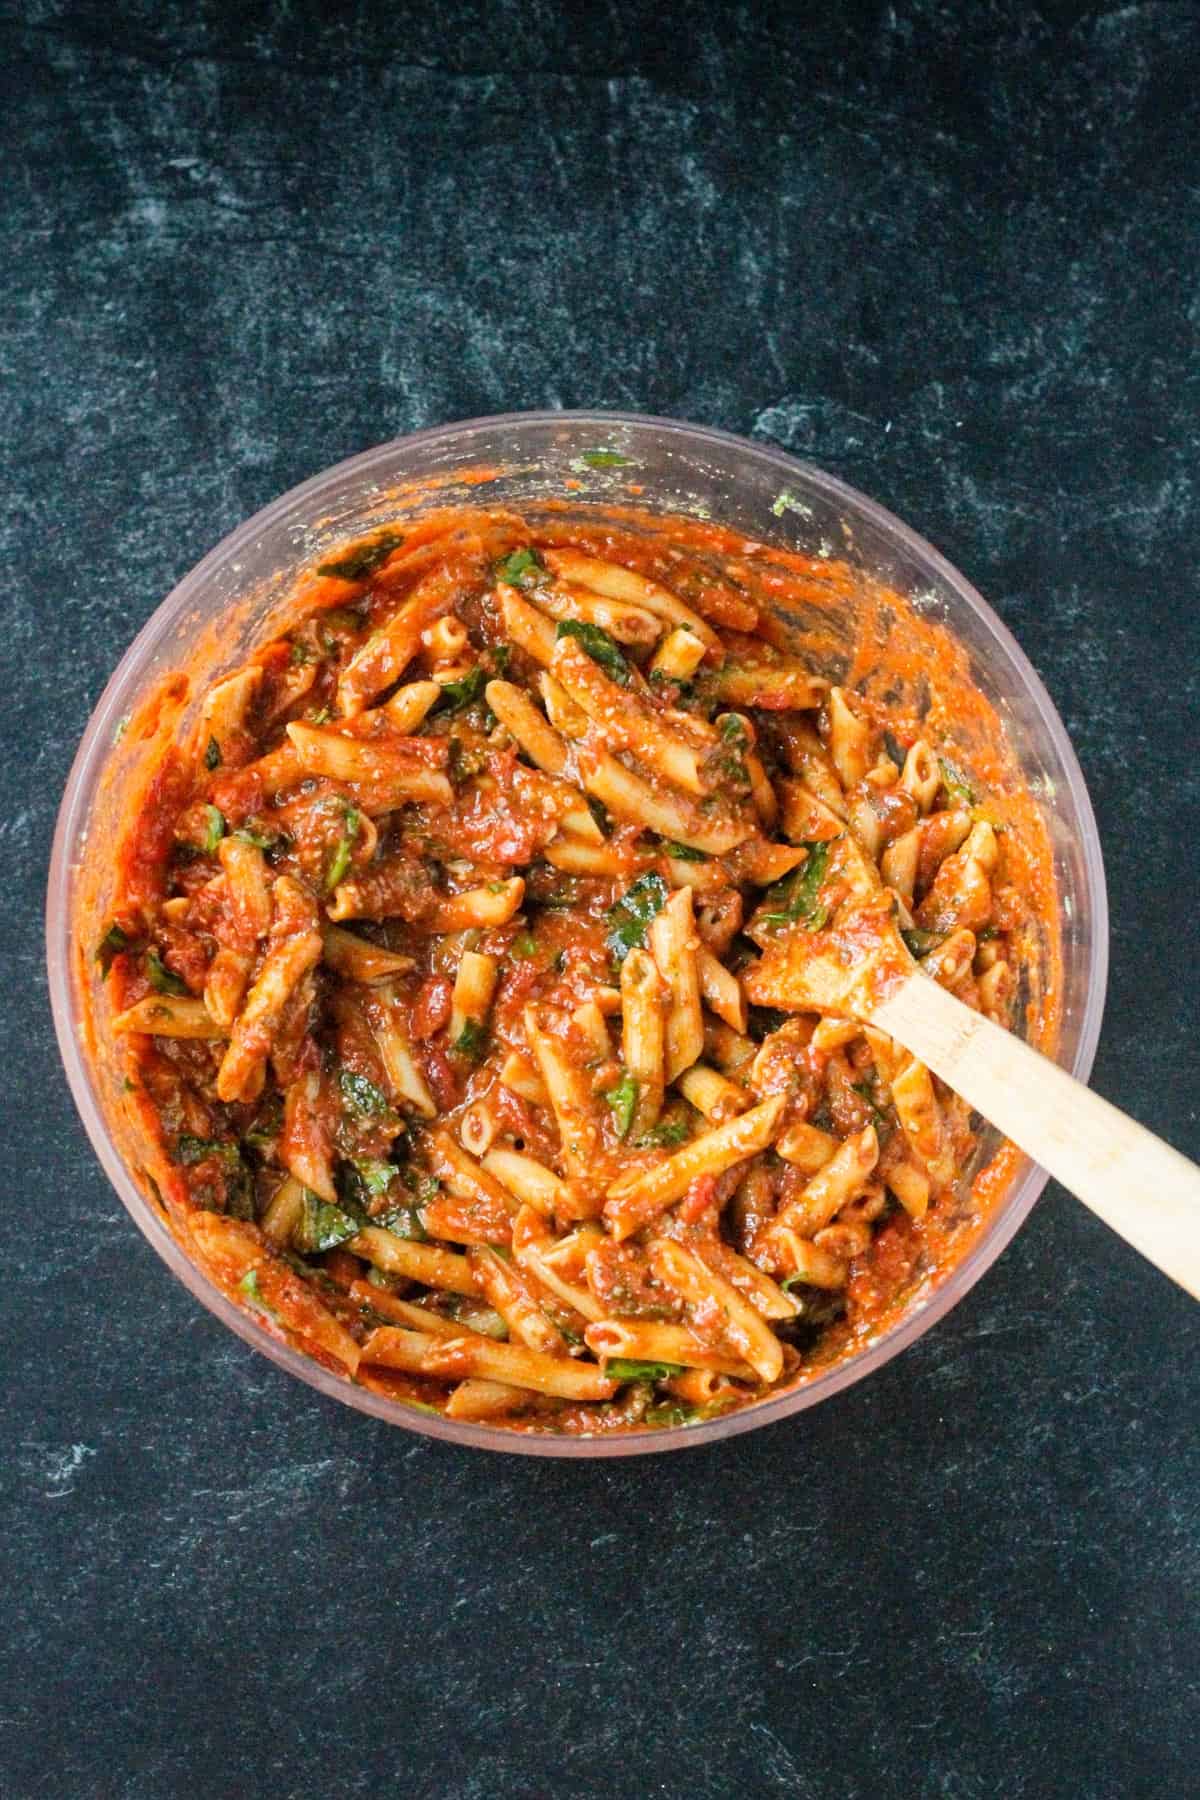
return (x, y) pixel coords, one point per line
(860, 968)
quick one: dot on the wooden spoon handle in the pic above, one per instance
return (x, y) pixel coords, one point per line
(1138, 1185)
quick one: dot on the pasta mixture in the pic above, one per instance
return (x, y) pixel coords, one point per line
(455, 971)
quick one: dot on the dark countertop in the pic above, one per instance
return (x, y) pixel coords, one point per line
(949, 253)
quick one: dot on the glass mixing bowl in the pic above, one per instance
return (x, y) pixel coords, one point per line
(229, 602)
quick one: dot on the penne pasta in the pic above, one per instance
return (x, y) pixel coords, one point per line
(675, 946)
(635, 1199)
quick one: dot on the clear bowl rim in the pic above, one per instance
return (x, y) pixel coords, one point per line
(1024, 1190)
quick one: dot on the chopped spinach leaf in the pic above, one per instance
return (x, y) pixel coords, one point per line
(302, 653)
(955, 782)
(361, 1097)
(162, 979)
(682, 852)
(679, 1413)
(339, 863)
(402, 1222)
(321, 1226)
(793, 901)
(464, 692)
(733, 729)
(675, 1128)
(623, 1100)
(605, 459)
(376, 1177)
(629, 919)
(261, 1135)
(600, 647)
(920, 942)
(521, 568)
(365, 560)
(214, 828)
(111, 945)
(471, 1041)
(189, 1149)
(212, 755)
(620, 1368)
(248, 1286)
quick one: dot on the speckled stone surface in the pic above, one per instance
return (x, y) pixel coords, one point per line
(948, 252)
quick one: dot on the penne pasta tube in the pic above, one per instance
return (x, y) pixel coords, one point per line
(342, 758)
(765, 1296)
(729, 1049)
(951, 959)
(921, 775)
(808, 1262)
(389, 650)
(491, 905)
(721, 990)
(406, 1079)
(849, 739)
(223, 714)
(395, 1347)
(625, 624)
(589, 1022)
(225, 985)
(465, 1177)
(806, 1147)
(674, 945)
(504, 1287)
(303, 1145)
(165, 1015)
(575, 857)
(639, 1197)
(910, 1185)
(561, 710)
(534, 1249)
(514, 1364)
(528, 1180)
(645, 1340)
(477, 1399)
(834, 1034)
(283, 1213)
(248, 886)
(529, 629)
(900, 862)
(429, 1264)
(474, 984)
(579, 823)
(842, 1177)
(776, 687)
(624, 720)
(570, 1097)
(643, 1033)
(700, 1286)
(702, 1387)
(517, 713)
(635, 802)
(619, 583)
(411, 704)
(920, 1117)
(678, 656)
(712, 1094)
(403, 1312)
(519, 1075)
(444, 639)
(295, 948)
(477, 1129)
(355, 959)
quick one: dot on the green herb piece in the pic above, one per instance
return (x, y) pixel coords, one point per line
(302, 653)
(262, 1134)
(365, 560)
(111, 945)
(524, 946)
(521, 568)
(605, 459)
(321, 717)
(212, 755)
(618, 1368)
(190, 1150)
(623, 1100)
(600, 647)
(674, 1129)
(678, 1413)
(786, 501)
(794, 899)
(321, 1226)
(955, 782)
(733, 729)
(419, 1405)
(920, 942)
(630, 918)
(361, 1097)
(377, 1177)
(161, 979)
(471, 1041)
(682, 852)
(402, 1222)
(457, 694)
(214, 828)
(340, 860)
(866, 1091)
(248, 1286)
(501, 657)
